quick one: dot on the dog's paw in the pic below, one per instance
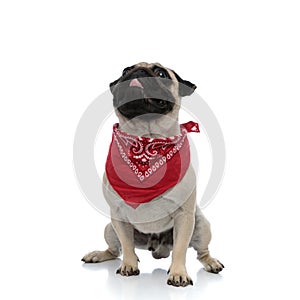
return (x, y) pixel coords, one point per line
(128, 270)
(212, 265)
(98, 256)
(179, 278)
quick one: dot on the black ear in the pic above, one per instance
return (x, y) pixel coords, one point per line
(112, 84)
(186, 88)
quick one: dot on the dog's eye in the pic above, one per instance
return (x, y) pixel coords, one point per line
(160, 73)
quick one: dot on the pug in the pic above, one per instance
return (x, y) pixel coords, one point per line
(149, 182)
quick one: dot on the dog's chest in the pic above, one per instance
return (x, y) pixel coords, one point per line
(156, 215)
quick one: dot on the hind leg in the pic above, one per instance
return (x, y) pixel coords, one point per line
(200, 240)
(113, 251)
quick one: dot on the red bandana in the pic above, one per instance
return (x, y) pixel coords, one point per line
(141, 168)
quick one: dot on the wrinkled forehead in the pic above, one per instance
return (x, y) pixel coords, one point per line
(157, 65)
(149, 65)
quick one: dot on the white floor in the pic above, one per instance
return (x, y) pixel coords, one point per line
(151, 283)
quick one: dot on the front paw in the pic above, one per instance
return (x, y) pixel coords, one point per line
(179, 278)
(128, 270)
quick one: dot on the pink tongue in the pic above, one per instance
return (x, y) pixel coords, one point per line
(135, 82)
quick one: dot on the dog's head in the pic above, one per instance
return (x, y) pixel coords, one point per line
(145, 89)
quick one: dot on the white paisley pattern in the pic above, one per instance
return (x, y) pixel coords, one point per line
(148, 150)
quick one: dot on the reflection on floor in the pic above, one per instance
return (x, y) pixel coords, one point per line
(151, 285)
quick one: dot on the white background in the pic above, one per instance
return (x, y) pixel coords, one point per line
(58, 56)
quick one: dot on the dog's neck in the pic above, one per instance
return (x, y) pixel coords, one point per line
(159, 127)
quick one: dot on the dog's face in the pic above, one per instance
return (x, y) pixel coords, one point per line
(145, 89)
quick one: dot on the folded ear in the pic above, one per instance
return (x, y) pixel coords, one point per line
(112, 84)
(186, 88)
